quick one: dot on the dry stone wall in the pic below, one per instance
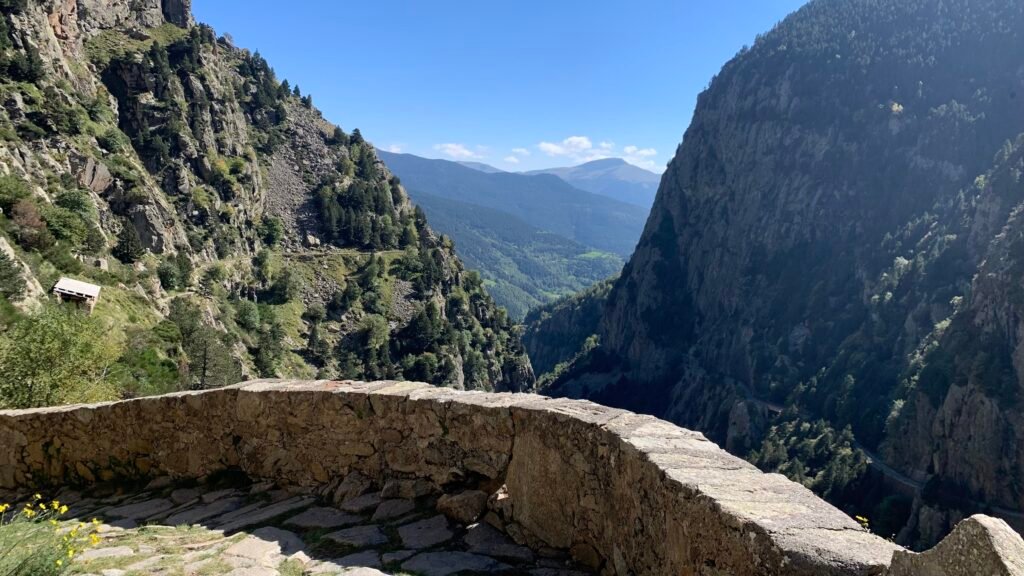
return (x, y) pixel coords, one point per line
(625, 493)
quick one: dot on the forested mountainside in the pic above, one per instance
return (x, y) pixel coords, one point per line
(611, 177)
(544, 201)
(522, 265)
(839, 234)
(234, 232)
(557, 332)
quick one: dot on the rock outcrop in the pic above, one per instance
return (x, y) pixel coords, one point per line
(978, 545)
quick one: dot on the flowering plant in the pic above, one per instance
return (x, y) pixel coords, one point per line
(34, 541)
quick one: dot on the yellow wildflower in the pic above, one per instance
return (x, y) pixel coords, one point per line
(60, 562)
(63, 509)
(95, 521)
(55, 504)
(37, 496)
(29, 513)
(53, 522)
(71, 552)
(94, 539)
(4, 508)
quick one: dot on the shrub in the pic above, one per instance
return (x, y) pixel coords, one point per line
(55, 356)
(12, 284)
(77, 201)
(29, 226)
(12, 189)
(272, 230)
(247, 314)
(168, 274)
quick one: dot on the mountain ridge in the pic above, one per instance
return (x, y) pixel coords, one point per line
(544, 201)
(612, 177)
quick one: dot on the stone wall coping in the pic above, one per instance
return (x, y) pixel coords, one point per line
(635, 494)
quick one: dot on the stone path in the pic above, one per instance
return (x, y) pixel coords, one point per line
(235, 528)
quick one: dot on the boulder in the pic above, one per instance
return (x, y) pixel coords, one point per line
(465, 507)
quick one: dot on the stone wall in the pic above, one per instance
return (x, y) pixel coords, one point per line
(625, 493)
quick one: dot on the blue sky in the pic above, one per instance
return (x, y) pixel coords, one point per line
(519, 85)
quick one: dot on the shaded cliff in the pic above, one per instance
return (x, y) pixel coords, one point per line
(829, 237)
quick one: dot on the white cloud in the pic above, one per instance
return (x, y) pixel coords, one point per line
(640, 152)
(520, 151)
(551, 149)
(395, 148)
(571, 146)
(511, 159)
(577, 149)
(457, 151)
(642, 157)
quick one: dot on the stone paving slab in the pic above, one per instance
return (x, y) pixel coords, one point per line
(393, 508)
(262, 530)
(485, 539)
(323, 517)
(359, 536)
(425, 533)
(445, 563)
(265, 513)
(361, 504)
(197, 514)
(140, 510)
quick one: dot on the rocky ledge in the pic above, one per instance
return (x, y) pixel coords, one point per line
(614, 491)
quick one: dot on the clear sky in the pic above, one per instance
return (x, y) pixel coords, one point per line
(520, 85)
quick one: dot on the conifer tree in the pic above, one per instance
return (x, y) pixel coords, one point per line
(129, 247)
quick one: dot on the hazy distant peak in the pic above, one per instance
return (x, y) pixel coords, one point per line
(611, 177)
(481, 167)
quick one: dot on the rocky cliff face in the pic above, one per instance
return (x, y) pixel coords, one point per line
(826, 230)
(127, 119)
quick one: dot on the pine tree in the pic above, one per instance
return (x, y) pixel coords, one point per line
(129, 247)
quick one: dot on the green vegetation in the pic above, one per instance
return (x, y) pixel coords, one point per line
(564, 331)
(12, 283)
(524, 267)
(35, 541)
(19, 65)
(164, 205)
(813, 454)
(129, 247)
(56, 356)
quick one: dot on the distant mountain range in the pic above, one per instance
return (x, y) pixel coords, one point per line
(534, 237)
(611, 177)
(544, 201)
(481, 167)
